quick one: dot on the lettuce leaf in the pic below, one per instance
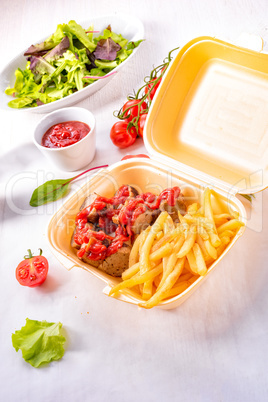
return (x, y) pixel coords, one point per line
(18, 86)
(80, 33)
(58, 50)
(107, 49)
(39, 341)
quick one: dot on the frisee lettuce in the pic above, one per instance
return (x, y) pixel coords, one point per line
(39, 341)
(58, 66)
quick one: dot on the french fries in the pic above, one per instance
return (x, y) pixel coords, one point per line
(168, 257)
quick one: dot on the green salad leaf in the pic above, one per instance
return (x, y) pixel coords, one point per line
(39, 341)
(61, 64)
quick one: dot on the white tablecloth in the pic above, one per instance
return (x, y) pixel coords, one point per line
(214, 346)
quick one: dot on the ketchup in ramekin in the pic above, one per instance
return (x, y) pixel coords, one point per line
(64, 134)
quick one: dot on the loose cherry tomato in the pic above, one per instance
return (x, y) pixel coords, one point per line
(132, 109)
(141, 124)
(33, 270)
(154, 89)
(122, 136)
(135, 156)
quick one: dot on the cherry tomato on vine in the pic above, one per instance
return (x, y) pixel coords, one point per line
(133, 109)
(154, 89)
(122, 136)
(135, 156)
(141, 124)
(32, 271)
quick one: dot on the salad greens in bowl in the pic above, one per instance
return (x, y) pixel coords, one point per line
(71, 64)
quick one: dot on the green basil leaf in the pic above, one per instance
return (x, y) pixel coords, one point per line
(49, 191)
(54, 189)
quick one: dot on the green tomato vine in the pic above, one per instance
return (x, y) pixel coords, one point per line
(144, 93)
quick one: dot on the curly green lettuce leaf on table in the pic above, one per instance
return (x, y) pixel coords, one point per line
(66, 62)
(40, 342)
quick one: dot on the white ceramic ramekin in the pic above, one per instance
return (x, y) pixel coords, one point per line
(72, 157)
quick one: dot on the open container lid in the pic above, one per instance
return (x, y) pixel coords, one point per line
(210, 115)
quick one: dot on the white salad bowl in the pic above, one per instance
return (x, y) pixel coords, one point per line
(128, 26)
(75, 156)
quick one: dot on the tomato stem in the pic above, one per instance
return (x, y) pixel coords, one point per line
(154, 80)
(29, 256)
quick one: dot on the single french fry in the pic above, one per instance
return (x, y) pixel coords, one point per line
(134, 253)
(128, 273)
(210, 249)
(147, 290)
(192, 262)
(233, 224)
(226, 240)
(137, 279)
(222, 218)
(189, 242)
(200, 262)
(208, 212)
(145, 251)
(167, 226)
(163, 251)
(202, 246)
(146, 247)
(228, 233)
(143, 236)
(160, 292)
(131, 271)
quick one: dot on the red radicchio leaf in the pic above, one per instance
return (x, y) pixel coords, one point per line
(106, 49)
(58, 50)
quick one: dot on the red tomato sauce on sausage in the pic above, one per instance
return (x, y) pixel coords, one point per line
(64, 134)
(92, 241)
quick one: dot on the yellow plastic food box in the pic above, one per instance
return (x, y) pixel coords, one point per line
(207, 127)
